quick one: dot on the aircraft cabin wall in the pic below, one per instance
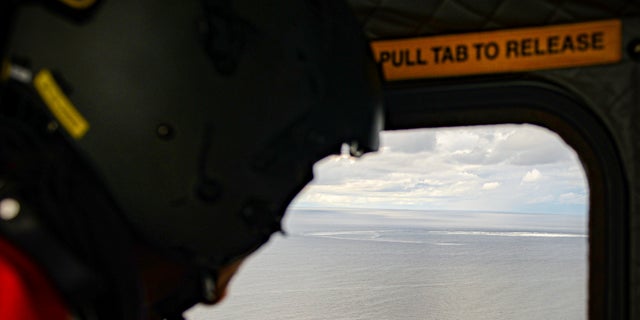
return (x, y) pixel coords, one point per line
(610, 91)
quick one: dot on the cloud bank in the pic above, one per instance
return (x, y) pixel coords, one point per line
(513, 168)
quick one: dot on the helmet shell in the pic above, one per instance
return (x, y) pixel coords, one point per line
(205, 118)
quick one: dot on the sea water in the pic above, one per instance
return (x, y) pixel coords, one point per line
(387, 264)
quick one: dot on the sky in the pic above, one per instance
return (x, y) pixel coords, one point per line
(504, 168)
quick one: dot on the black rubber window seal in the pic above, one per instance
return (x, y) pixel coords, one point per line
(415, 105)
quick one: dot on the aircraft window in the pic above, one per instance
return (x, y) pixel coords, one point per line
(485, 222)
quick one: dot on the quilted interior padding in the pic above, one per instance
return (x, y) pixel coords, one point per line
(383, 19)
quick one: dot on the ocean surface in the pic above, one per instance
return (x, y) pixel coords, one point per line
(387, 264)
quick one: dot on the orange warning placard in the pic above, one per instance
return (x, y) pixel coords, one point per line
(513, 50)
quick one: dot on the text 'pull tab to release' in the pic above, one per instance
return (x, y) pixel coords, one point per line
(512, 50)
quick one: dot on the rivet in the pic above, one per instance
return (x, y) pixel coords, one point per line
(165, 131)
(52, 126)
(634, 49)
(9, 209)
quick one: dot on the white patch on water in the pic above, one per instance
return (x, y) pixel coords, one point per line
(389, 235)
(365, 235)
(372, 234)
(510, 234)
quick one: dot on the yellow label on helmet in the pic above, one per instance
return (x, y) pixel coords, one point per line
(59, 105)
(78, 4)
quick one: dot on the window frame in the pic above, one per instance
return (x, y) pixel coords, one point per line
(481, 101)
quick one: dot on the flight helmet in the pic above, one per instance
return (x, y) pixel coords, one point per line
(202, 119)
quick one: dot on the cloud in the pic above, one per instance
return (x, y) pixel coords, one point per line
(468, 168)
(532, 176)
(541, 199)
(463, 141)
(572, 198)
(490, 185)
(533, 146)
(523, 145)
(409, 141)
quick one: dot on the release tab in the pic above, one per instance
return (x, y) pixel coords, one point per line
(513, 50)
